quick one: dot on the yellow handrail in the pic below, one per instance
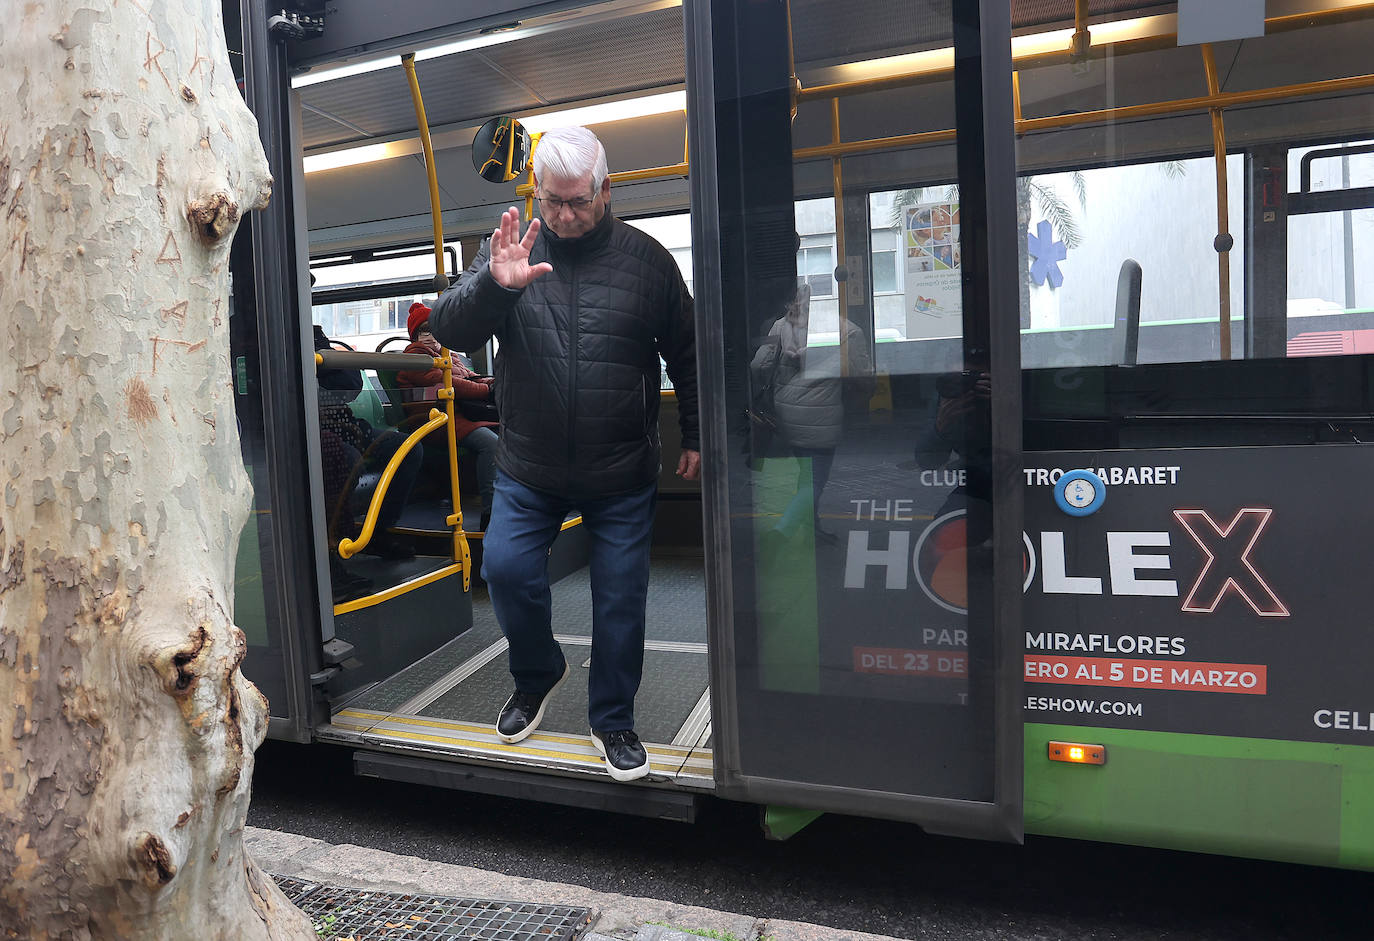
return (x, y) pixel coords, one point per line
(620, 176)
(842, 286)
(1223, 241)
(526, 189)
(408, 60)
(461, 550)
(349, 547)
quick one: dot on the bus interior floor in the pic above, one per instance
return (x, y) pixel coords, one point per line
(467, 679)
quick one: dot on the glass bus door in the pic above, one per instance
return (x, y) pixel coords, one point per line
(860, 407)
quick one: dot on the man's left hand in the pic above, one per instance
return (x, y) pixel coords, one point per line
(689, 465)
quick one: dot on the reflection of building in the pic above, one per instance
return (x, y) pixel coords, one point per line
(364, 324)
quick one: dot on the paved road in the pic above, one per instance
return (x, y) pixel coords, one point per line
(862, 875)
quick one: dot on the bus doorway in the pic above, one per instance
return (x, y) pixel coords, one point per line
(413, 666)
(417, 694)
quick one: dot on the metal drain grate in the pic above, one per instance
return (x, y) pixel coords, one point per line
(358, 915)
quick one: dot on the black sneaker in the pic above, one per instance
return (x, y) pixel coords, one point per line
(625, 757)
(523, 712)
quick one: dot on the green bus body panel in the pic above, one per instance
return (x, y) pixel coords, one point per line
(789, 628)
(1302, 802)
(783, 823)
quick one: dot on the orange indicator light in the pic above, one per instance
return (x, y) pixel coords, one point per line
(1077, 754)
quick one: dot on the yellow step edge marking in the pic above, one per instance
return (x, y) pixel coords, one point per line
(357, 720)
(692, 756)
(473, 728)
(676, 751)
(592, 760)
(361, 713)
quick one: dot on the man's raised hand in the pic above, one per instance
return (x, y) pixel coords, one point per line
(509, 255)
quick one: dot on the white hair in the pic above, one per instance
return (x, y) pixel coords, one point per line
(570, 153)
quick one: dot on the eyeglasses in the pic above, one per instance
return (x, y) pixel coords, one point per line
(553, 204)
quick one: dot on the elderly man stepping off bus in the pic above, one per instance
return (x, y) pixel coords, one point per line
(583, 306)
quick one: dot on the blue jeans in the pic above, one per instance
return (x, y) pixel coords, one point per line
(484, 442)
(515, 557)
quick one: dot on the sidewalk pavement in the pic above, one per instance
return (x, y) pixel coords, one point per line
(615, 917)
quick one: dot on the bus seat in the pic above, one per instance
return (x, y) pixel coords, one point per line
(391, 394)
(1126, 326)
(368, 405)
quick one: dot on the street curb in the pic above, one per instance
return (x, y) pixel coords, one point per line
(615, 917)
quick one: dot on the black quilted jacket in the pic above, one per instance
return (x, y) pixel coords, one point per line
(577, 372)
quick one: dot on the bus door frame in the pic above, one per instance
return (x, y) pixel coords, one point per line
(987, 176)
(302, 617)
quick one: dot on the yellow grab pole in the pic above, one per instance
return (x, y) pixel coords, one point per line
(1223, 241)
(455, 521)
(1081, 41)
(461, 552)
(408, 60)
(349, 547)
(842, 287)
(526, 189)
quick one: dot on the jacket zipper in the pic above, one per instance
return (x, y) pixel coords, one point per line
(643, 404)
(572, 368)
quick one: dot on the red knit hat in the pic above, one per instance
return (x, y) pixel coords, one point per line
(419, 314)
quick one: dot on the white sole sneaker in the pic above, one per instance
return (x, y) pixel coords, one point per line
(538, 716)
(633, 774)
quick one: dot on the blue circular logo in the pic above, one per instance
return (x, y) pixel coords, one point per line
(1080, 493)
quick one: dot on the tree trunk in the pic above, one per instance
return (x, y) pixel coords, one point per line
(126, 728)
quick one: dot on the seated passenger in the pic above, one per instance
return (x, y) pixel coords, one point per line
(350, 447)
(474, 434)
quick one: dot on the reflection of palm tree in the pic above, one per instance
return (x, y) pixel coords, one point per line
(921, 194)
(1060, 217)
(1053, 207)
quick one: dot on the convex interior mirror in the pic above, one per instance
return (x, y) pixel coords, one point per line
(500, 149)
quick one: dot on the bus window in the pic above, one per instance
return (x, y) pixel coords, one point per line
(1166, 293)
(1330, 294)
(1082, 226)
(673, 232)
(352, 302)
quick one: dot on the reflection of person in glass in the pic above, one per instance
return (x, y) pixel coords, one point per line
(959, 439)
(809, 400)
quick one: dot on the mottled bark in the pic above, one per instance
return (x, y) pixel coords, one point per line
(127, 158)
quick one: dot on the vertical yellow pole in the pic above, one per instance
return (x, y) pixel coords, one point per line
(1081, 40)
(529, 197)
(408, 62)
(461, 552)
(841, 287)
(1224, 241)
(455, 522)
